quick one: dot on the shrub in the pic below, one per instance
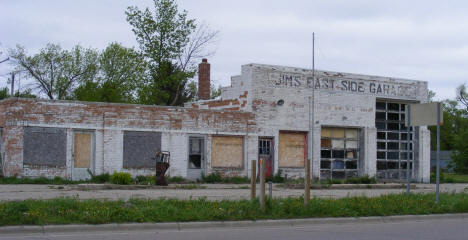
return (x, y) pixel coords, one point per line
(443, 178)
(277, 178)
(176, 179)
(145, 180)
(121, 178)
(238, 180)
(333, 181)
(361, 180)
(102, 178)
(211, 178)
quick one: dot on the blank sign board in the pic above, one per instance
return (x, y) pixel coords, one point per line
(424, 114)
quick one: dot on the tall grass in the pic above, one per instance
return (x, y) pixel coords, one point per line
(71, 210)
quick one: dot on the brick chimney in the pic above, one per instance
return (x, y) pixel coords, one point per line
(204, 80)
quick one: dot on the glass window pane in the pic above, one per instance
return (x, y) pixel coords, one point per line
(393, 155)
(326, 143)
(325, 164)
(392, 165)
(338, 153)
(351, 165)
(380, 116)
(195, 161)
(380, 105)
(393, 145)
(393, 106)
(352, 133)
(351, 154)
(337, 143)
(380, 125)
(325, 153)
(381, 135)
(381, 155)
(324, 174)
(393, 116)
(381, 165)
(393, 136)
(381, 145)
(351, 144)
(338, 174)
(326, 133)
(393, 126)
(337, 164)
(338, 133)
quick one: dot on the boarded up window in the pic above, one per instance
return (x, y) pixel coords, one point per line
(292, 149)
(140, 149)
(227, 151)
(44, 146)
(82, 150)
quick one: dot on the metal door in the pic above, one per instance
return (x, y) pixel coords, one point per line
(265, 153)
(83, 155)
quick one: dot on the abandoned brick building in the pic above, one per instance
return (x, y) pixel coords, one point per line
(347, 124)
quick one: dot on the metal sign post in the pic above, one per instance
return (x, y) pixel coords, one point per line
(427, 114)
(438, 153)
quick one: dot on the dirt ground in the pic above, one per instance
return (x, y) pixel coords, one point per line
(208, 191)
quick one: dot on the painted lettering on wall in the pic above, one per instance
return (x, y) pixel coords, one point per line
(340, 84)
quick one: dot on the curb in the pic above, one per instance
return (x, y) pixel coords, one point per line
(14, 230)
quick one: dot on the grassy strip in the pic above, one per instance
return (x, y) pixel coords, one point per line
(70, 210)
(449, 178)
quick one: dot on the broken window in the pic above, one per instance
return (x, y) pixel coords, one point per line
(45, 146)
(339, 153)
(392, 143)
(196, 152)
(139, 149)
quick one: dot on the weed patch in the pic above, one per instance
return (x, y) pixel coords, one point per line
(72, 210)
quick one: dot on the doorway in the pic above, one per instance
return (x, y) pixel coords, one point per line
(196, 157)
(83, 155)
(265, 153)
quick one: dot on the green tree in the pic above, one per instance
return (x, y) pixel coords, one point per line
(215, 91)
(121, 71)
(171, 43)
(5, 93)
(454, 131)
(54, 71)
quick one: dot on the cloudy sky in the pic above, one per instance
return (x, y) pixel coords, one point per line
(423, 40)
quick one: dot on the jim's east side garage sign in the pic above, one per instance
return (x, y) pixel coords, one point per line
(341, 83)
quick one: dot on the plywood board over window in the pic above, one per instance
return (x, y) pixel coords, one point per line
(227, 151)
(82, 150)
(292, 149)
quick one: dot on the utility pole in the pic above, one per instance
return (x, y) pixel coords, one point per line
(12, 84)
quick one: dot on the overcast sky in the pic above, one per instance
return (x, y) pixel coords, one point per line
(423, 40)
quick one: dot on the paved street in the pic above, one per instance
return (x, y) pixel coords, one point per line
(448, 229)
(211, 192)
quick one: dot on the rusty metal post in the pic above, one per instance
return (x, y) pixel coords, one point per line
(253, 180)
(307, 182)
(262, 184)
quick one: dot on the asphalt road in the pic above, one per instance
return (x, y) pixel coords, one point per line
(427, 230)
